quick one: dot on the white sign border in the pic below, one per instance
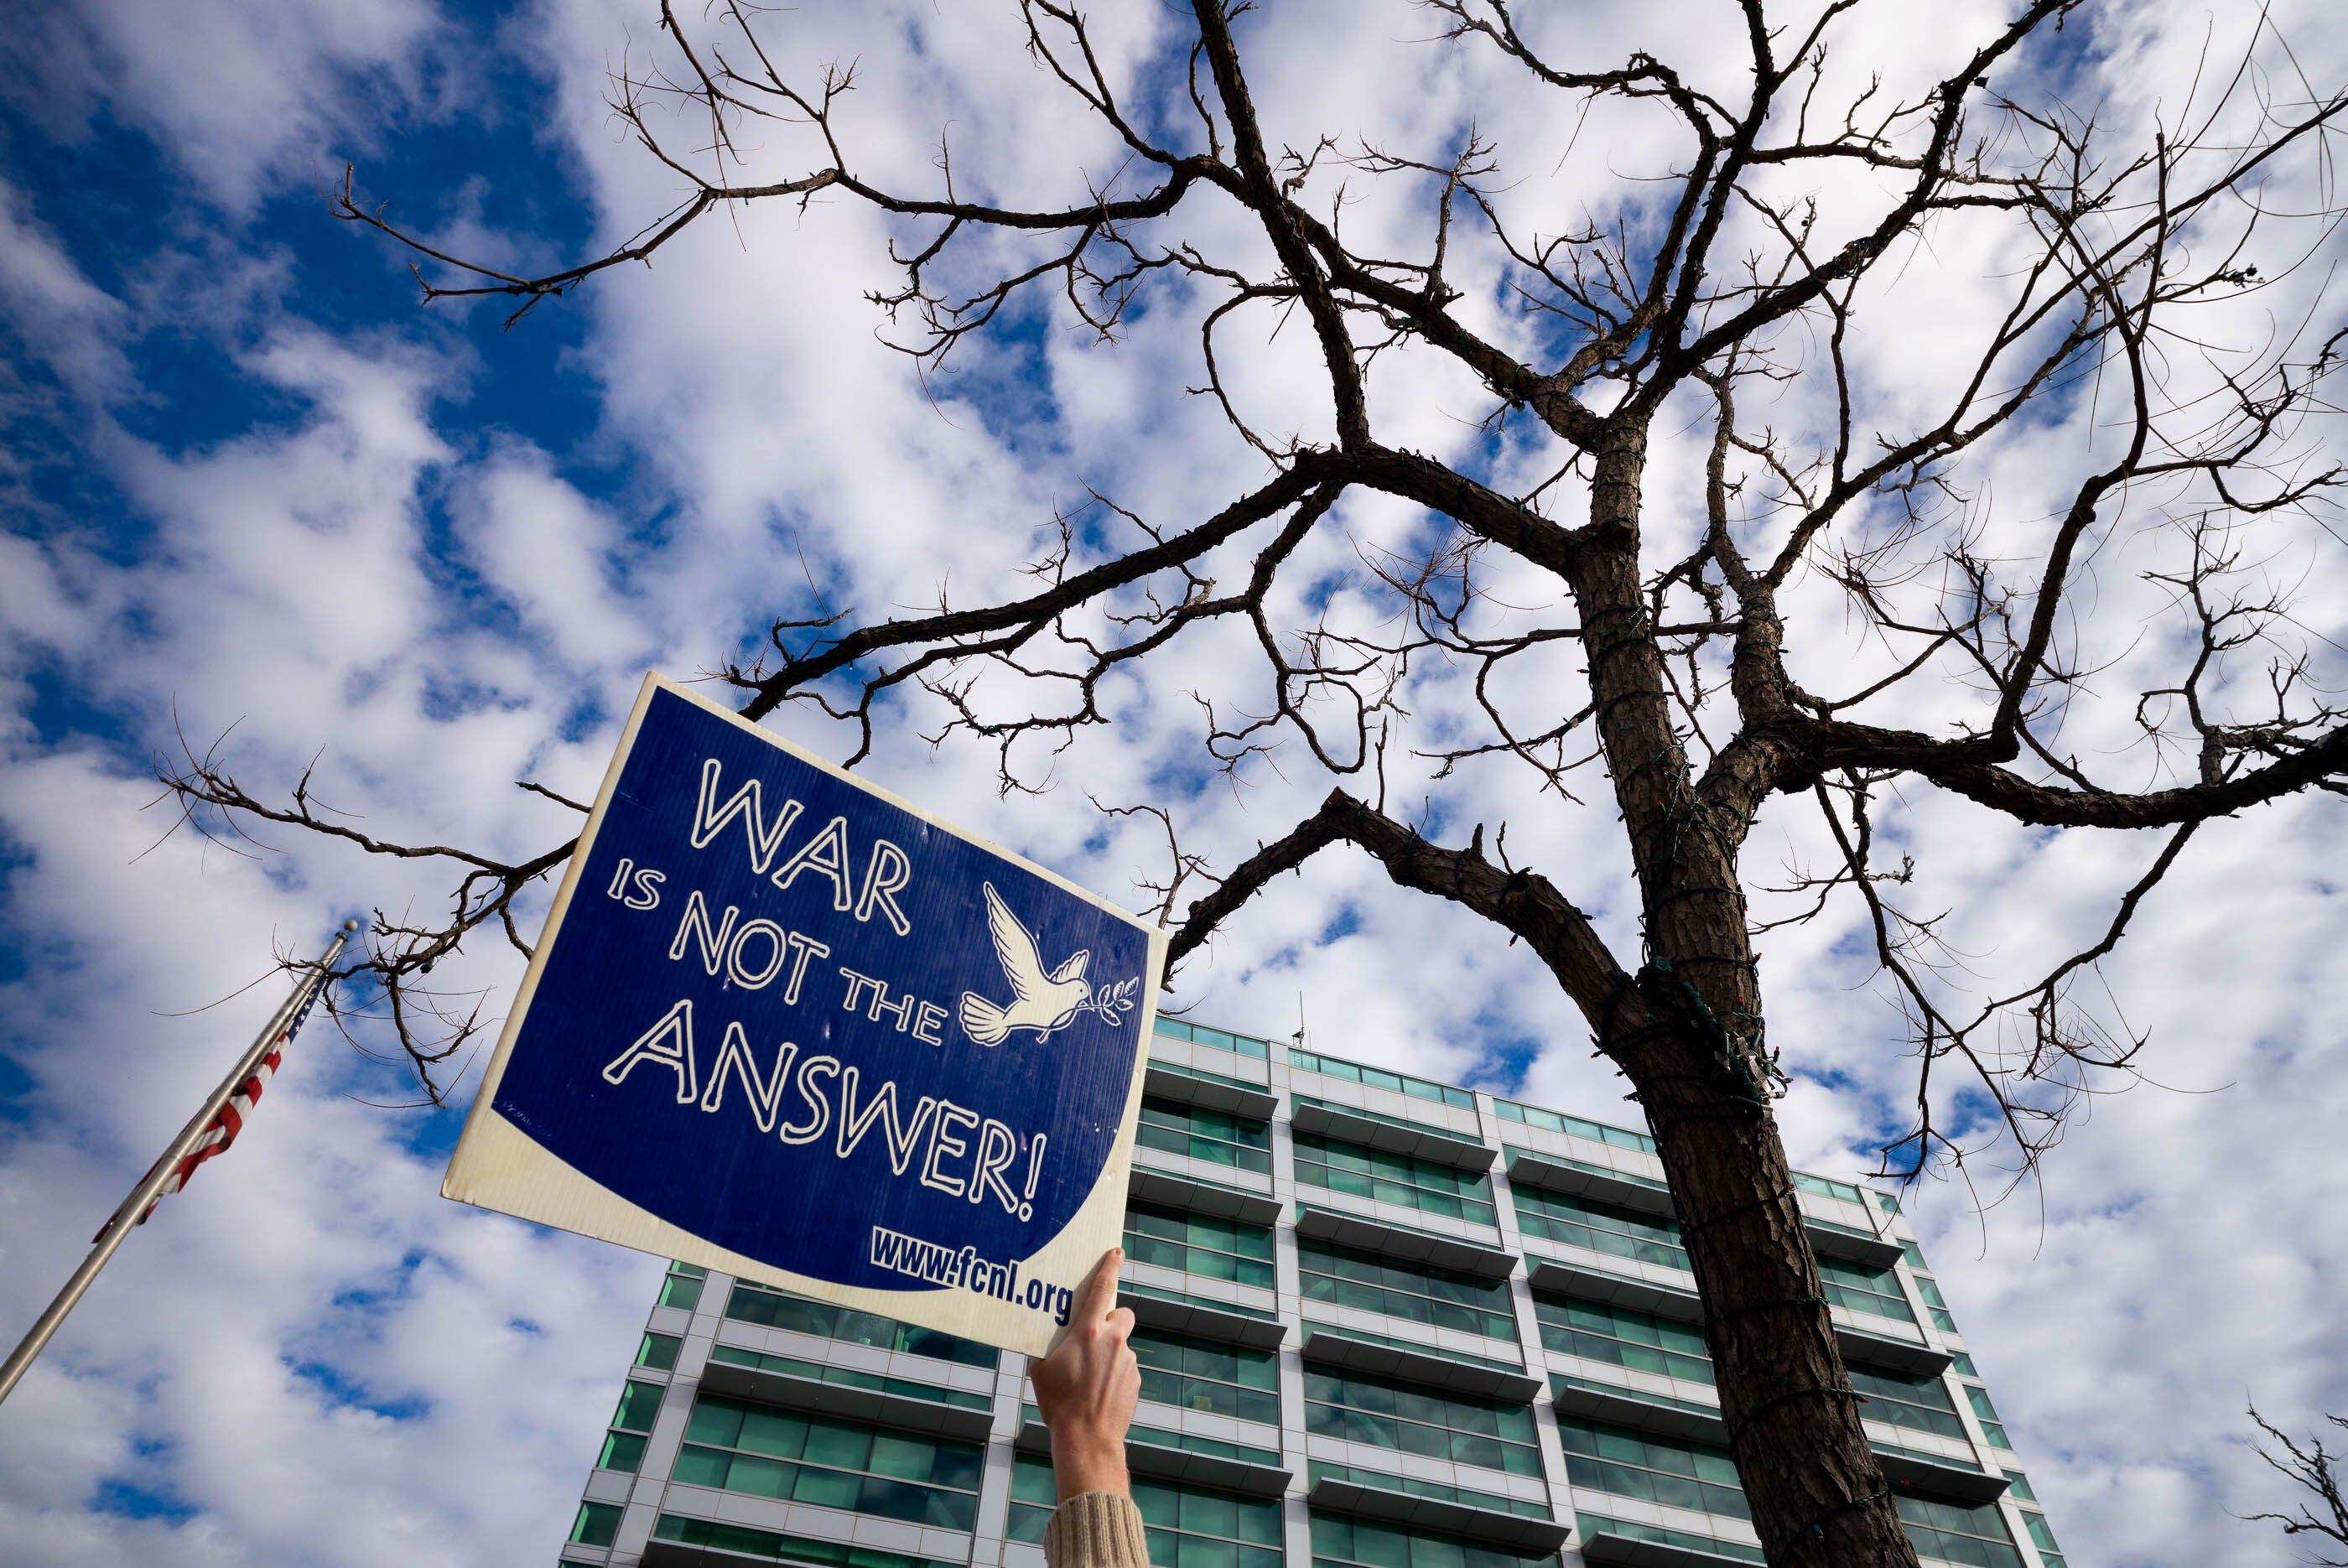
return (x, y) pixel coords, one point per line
(497, 1166)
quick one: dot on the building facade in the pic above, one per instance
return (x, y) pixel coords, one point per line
(1384, 1323)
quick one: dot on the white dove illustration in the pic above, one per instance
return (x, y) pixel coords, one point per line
(1043, 1003)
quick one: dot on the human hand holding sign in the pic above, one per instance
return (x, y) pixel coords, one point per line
(1086, 1387)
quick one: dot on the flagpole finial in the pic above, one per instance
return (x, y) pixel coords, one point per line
(351, 924)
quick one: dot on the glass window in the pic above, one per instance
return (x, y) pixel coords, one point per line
(832, 1463)
(1413, 1421)
(1974, 1534)
(1992, 1427)
(1599, 1331)
(624, 1444)
(1340, 1542)
(1421, 1184)
(622, 1451)
(1856, 1287)
(1592, 1524)
(1921, 1404)
(1417, 1345)
(1380, 1077)
(781, 1309)
(1657, 1469)
(1198, 1133)
(1199, 1244)
(1941, 1319)
(1201, 1375)
(597, 1523)
(638, 1405)
(658, 1351)
(682, 1285)
(1420, 1484)
(1579, 1127)
(1186, 1526)
(1419, 1292)
(1199, 1034)
(848, 1376)
(743, 1541)
(1599, 1227)
(1819, 1186)
(2019, 1484)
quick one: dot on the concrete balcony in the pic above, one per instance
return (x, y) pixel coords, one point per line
(1335, 1347)
(1483, 1259)
(1512, 1532)
(1414, 1140)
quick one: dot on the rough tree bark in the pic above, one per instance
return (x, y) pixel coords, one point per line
(1732, 285)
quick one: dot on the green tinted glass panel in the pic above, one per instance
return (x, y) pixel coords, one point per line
(1343, 1276)
(1598, 1227)
(638, 1404)
(745, 1542)
(831, 1463)
(1856, 1287)
(1197, 1132)
(1341, 1541)
(1386, 1178)
(658, 1351)
(1578, 1126)
(1410, 1419)
(1974, 1534)
(1822, 1187)
(1600, 1331)
(848, 1378)
(1419, 1346)
(1656, 1469)
(1202, 1375)
(1203, 1244)
(1921, 1404)
(1590, 1525)
(597, 1523)
(780, 1309)
(1381, 1078)
(1223, 1039)
(1422, 1486)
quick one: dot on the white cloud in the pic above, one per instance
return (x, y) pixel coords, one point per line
(242, 95)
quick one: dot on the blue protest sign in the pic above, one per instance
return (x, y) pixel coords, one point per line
(783, 1024)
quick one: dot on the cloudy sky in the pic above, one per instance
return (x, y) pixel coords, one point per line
(254, 493)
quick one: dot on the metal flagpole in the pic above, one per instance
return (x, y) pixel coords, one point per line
(151, 1186)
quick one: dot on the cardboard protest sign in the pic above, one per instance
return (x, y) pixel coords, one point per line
(785, 1025)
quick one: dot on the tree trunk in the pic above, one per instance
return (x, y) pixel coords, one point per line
(1816, 1495)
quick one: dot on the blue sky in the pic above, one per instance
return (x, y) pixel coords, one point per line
(253, 489)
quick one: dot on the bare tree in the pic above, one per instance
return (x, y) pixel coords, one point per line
(1658, 687)
(2323, 1512)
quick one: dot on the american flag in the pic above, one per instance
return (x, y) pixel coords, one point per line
(231, 1119)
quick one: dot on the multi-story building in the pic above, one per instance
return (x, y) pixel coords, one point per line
(1384, 1323)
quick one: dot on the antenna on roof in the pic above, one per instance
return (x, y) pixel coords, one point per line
(1298, 1038)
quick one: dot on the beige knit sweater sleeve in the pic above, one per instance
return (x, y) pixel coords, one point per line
(1096, 1529)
